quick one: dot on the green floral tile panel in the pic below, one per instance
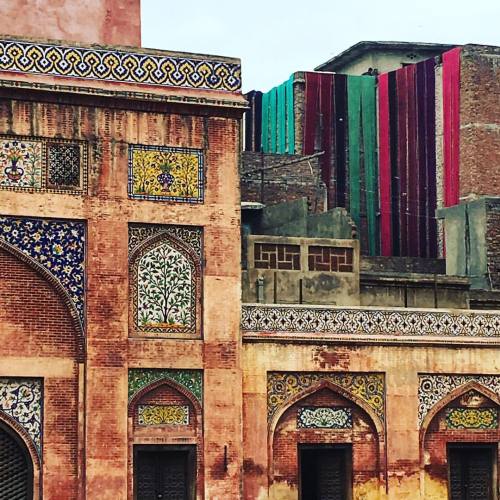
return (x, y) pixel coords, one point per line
(471, 418)
(163, 415)
(192, 380)
(321, 417)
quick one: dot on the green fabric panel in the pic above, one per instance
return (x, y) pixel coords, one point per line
(281, 148)
(265, 123)
(369, 125)
(290, 117)
(354, 125)
(273, 119)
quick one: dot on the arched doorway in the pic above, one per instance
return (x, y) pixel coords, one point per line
(16, 468)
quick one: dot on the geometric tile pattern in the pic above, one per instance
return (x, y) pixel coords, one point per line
(164, 281)
(332, 259)
(275, 256)
(163, 414)
(21, 399)
(471, 418)
(118, 66)
(165, 173)
(358, 321)
(63, 165)
(320, 417)
(192, 380)
(40, 164)
(432, 388)
(57, 245)
(283, 386)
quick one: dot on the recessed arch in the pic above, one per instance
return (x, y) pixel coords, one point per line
(46, 275)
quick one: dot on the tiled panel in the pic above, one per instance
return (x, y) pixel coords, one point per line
(58, 246)
(64, 166)
(21, 163)
(192, 380)
(330, 259)
(21, 399)
(432, 388)
(163, 415)
(119, 66)
(276, 256)
(166, 174)
(321, 417)
(471, 418)
(282, 386)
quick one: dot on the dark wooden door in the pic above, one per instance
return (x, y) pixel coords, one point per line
(162, 474)
(325, 473)
(15, 469)
(471, 473)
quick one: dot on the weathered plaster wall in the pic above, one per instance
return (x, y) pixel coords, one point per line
(107, 22)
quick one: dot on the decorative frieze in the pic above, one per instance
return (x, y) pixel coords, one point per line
(163, 415)
(321, 417)
(272, 318)
(471, 418)
(115, 65)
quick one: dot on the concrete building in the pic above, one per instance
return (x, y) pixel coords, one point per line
(149, 350)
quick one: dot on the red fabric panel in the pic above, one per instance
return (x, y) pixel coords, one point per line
(384, 161)
(310, 112)
(402, 163)
(451, 125)
(326, 127)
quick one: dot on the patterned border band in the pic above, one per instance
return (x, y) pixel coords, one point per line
(118, 66)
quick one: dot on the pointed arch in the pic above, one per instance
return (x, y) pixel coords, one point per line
(59, 289)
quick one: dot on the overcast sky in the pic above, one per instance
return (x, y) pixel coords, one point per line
(274, 38)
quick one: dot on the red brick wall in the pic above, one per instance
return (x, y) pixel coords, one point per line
(362, 436)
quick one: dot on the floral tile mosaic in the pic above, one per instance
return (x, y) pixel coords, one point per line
(166, 173)
(163, 415)
(322, 417)
(283, 386)
(432, 388)
(57, 245)
(40, 164)
(471, 418)
(119, 65)
(192, 380)
(165, 278)
(21, 399)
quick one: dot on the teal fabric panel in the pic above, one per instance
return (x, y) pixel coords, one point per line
(354, 125)
(265, 123)
(273, 120)
(281, 132)
(369, 126)
(290, 116)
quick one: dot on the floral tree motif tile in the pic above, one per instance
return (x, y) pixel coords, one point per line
(165, 278)
(432, 388)
(192, 380)
(283, 386)
(59, 246)
(321, 417)
(21, 399)
(64, 165)
(163, 415)
(166, 173)
(471, 418)
(21, 163)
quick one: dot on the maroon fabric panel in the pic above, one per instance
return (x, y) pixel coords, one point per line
(402, 164)
(326, 129)
(310, 112)
(413, 240)
(340, 128)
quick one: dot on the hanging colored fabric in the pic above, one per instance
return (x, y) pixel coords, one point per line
(402, 165)
(384, 163)
(281, 119)
(451, 125)
(310, 112)
(369, 127)
(326, 127)
(273, 120)
(394, 150)
(290, 116)
(340, 124)
(265, 123)
(354, 123)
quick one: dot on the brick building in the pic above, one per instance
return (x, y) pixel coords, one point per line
(129, 367)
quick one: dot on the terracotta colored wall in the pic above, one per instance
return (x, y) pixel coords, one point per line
(107, 22)
(108, 211)
(39, 340)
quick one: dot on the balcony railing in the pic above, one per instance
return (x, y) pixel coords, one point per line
(369, 323)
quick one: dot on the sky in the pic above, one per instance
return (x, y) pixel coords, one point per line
(274, 38)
